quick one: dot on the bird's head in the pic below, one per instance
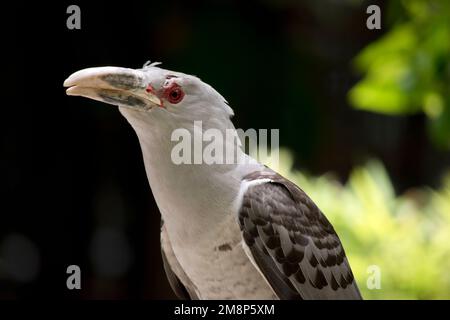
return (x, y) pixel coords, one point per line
(149, 92)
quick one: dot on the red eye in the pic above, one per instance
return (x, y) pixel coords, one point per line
(174, 93)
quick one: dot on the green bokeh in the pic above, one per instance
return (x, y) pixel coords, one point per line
(408, 69)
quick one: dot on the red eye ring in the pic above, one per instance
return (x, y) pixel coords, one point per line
(174, 94)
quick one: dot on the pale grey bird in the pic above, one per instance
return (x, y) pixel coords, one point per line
(230, 231)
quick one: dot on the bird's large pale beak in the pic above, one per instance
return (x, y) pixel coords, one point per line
(117, 86)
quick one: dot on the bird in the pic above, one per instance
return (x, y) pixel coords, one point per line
(231, 231)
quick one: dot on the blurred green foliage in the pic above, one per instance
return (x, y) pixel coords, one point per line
(407, 70)
(406, 236)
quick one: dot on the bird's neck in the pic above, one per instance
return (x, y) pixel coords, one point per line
(192, 198)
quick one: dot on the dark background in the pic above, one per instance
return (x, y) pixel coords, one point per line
(74, 189)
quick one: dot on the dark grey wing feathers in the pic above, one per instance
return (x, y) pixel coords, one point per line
(279, 282)
(177, 286)
(293, 243)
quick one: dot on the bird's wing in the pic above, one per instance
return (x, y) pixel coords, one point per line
(292, 242)
(177, 286)
(179, 282)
